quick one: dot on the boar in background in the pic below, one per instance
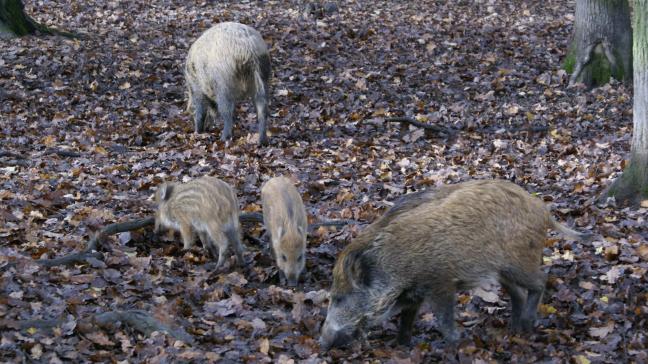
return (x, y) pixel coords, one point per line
(206, 206)
(284, 217)
(431, 244)
(226, 64)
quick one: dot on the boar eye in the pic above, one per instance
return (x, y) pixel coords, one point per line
(283, 257)
(301, 256)
(337, 300)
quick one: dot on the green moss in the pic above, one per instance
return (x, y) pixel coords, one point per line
(570, 62)
(599, 69)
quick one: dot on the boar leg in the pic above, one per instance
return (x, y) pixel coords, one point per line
(517, 303)
(261, 102)
(218, 240)
(536, 289)
(444, 303)
(234, 239)
(226, 111)
(201, 106)
(187, 236)
(408, 314)
(534, 282)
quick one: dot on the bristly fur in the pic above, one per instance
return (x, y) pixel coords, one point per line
(226, 64)
(284, 217)
(206, 206)
(432, 243)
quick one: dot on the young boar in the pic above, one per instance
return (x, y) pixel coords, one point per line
(226, 64)
(284, 217)
(206, 206)
(431, 244)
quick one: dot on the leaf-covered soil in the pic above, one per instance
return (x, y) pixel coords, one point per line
(89, 127)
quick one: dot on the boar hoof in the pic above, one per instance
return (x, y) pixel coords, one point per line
(404, 340)
(526, 326)
(516, 327)
(263, 140)
(451, 337)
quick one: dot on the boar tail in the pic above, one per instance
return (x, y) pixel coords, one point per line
(258, 83)
(261, 73)
(570, 233)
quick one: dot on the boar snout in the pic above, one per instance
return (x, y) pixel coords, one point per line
(292, 277)
(331, 338)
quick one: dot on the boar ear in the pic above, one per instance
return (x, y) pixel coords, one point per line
(165, 191)
(357, 266)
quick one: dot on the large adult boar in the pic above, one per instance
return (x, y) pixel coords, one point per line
(206, 206)
(284, 217)
(431, 244)
(226, 64)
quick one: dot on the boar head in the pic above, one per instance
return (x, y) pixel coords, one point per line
(360, 296)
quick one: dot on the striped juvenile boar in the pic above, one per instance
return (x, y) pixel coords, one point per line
(284, 217)
(226, 64)
(206, 206)
(431, 244)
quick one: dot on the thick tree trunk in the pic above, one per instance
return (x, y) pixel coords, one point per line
(15, 23)
(602, 42)
(13, 20)
(632, 186)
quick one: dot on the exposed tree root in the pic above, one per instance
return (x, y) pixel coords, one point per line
(94, 244)
(582, 62)
(14, 22)
(631, 187)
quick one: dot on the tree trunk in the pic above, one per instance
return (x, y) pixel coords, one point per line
(13, 20)
(15, 23)
(632, 186)
(602, 43)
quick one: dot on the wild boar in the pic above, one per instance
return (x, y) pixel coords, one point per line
(226, 64)
(284, 217)
(431, 244)
(206, 206)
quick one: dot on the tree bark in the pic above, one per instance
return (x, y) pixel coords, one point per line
(632, 186)
(602, 43)
(15, 23)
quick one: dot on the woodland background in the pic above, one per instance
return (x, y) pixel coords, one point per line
(90, 126)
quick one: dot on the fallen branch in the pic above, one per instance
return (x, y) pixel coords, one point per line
(91, 250)
(529, 129)
(63, 153)
(337, 223)
(44, 325)
(76, 258)
(138, 320)
(257, 217)
(418, 124)
(6, 153)
(251, 217)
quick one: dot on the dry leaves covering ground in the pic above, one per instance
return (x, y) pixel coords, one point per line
(89, 127)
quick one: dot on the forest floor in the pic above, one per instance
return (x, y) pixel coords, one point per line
(90, 127)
